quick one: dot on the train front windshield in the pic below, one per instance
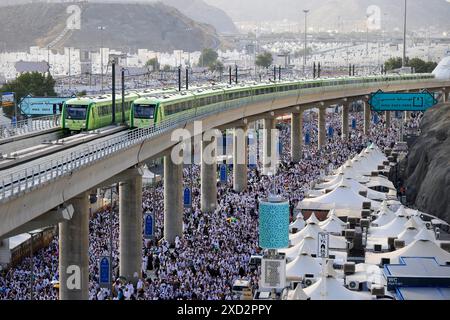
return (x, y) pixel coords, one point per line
(144, 111)
(76, 112)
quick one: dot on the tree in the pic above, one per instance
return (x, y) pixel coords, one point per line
(417, 64)
(33, 83)
(393, 63)
(264, 60)
(421, 66)
(208, 57)
(82, 93)
(166, 68)
(217, 66)
(154, 63)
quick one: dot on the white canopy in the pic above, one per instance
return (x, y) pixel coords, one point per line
(422, 246)
(307, 245)
(385, 215)
(312, 219)
(408, 235)
(298, 224)
(335, 290)
(303, 264)
(346, 201)
(355, 185)
(333, 225)
(393, 228)
(380, 182)
(311, 230)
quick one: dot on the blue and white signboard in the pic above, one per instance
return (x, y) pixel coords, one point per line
(223, 173)
(187, 197)
(105, 272)
(402, 101)
(149, 226)
(41, 106)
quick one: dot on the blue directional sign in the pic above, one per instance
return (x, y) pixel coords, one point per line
(376, 119)
(223, 173)
(280, 148)
(105, 272)
(149, 226)
(353, 124)
(307, 139)
(408, 101)
(330, 131)
(187, 197)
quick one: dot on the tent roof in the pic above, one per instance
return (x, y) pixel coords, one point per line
(343, 197)
(307, 245)
(297, 224)
(417, 248)
(335, 290)
(392, 229)
(303, 264)
(312, 219)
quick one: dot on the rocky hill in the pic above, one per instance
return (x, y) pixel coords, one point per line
(427, 167)
(153, 26)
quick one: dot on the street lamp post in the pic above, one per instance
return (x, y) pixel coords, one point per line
(404, 36)
(306, 38)
(101, 28)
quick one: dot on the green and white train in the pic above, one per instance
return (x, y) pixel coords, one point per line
(144, 109)
(89, 113)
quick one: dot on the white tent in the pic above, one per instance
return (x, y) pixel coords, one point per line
(423, 246)
(391, 229)
(408, 235)
(333, 289)
(311, 229)
(303, 264)
(343, 199)
(380, 182)
(333, 224)
(385, 215)
(355, 185)
(298, 224)
(307, 245)
(312, 219)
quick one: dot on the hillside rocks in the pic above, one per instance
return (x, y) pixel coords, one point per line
(130, 26)
(427, 166)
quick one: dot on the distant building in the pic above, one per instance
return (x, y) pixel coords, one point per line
(28, 66)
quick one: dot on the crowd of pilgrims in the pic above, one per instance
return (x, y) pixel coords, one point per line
(215, 247)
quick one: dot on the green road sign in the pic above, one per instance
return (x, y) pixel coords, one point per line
(407, 101)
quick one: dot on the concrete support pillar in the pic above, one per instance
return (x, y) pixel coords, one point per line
(407, 116)
(345, 111)
(74, 252)
(296, 136)
(269, 125)
(240, 159)
(387, 115)
(208, 178)
(321, 126)
(445, 94)
(130, 221)
(173, 200)
(366, 118)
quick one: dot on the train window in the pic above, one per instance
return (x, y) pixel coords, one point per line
(76, 112)
(144, 111)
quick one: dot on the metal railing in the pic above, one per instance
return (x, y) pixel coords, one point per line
(30, 178)
(29, 125)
